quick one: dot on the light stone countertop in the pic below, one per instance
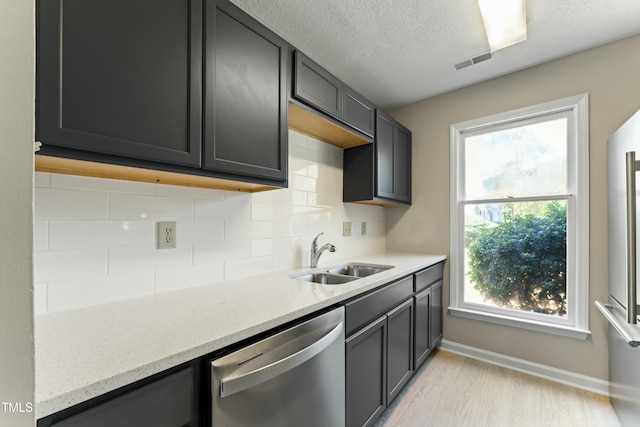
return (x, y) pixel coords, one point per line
(84, 353)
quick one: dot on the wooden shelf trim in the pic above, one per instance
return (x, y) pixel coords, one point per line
(316, 126)
(104, 170)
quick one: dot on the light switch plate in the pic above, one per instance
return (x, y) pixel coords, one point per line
(166, 234)
(363, 228)
(346, 228)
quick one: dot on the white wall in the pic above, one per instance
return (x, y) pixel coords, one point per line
(16, 211)
(95, 238)
(611, 76)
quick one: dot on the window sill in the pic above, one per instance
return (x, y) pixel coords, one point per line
(531, 325)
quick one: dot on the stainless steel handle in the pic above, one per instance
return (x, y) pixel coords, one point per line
(618, 325)
(632, 309)
(237, 383)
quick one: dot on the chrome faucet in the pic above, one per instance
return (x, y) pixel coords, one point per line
(315, 252)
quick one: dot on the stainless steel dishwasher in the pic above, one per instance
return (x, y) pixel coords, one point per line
(293, 378)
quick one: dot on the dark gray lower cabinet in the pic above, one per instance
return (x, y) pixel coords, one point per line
(390, 332)
(399, 348)
(379, 363)
(164, 401)
(422, 326)
(366, 367)
(428, 312)
(435, 329)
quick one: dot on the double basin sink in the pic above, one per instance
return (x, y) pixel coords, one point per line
(343, 274)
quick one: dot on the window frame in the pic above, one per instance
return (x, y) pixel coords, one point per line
(576, 324)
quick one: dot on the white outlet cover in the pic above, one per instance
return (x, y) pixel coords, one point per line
(166, 234)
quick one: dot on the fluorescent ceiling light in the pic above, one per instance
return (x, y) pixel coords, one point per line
(505, 22)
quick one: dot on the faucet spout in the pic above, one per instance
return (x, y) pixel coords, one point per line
(315, 252)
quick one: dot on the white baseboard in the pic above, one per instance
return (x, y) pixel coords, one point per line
(536, 369)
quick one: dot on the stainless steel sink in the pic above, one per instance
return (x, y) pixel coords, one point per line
(360, 270)
(326, 278)
(343, 274)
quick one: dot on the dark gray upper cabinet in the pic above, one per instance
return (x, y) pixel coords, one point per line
(318, 88)
(163, 84)
(380, 173)
(246, 95)
(115, 78)
(357, 112)
(393, 159)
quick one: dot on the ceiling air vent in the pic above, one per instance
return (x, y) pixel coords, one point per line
(472, 61)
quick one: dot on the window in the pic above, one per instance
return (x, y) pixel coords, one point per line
(519, 218)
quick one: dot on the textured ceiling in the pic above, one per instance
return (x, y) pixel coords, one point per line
(395, 52)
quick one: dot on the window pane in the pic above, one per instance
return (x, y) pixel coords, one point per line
(515, 256)
(523, 161)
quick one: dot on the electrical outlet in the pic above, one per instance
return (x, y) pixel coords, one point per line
(363, 228)
(346, 228)
(166, 234)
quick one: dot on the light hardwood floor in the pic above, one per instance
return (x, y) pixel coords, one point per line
(451, 390)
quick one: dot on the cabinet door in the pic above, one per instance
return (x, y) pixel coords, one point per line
(245, 95)
(435, 327)
(366, 361)
(121, 77)
(167, 402)
(393, 159)
(358, 112)
(316, 86)
(399, 348)
(402, 164)
(422, 325)
(384, 156)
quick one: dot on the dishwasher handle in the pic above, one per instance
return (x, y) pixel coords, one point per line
(236, 383)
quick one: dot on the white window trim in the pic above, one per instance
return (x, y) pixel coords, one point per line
(578, 323)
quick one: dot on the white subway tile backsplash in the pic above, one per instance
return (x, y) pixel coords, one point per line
(208, 252)
(189, 192)
(137, 207)
(206, 210)
(73, 182)
(298, 198)
(303, 183)
(175, 278)
(71, 294)
(245, 267)
(53, 203)
(55, 265)
(287, 261)
(270, 212)
(135, 258)
(94, 238)
(65, 235)
(262, 247)
(199, 231)
(298, 167)
(40, 235)
(41, 179)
